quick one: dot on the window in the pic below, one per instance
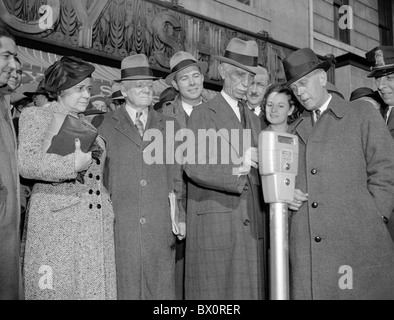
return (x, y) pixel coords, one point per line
(340, 34)
(385, 22)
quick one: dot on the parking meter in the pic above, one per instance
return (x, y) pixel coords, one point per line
(278, 166)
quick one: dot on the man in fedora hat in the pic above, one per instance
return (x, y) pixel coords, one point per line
(381, 60)
(40, 97)
(187, 77)
(225, 256)
(144, 241)
(256, 93)
(338, 231)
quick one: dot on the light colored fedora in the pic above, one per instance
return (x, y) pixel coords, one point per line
(182, 60)
(242, 54)
(136, 67)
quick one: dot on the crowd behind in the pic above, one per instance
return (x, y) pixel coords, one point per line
(100, 223)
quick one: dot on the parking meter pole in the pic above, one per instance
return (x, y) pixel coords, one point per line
(279, 252)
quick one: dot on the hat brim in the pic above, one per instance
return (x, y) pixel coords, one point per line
(31, 94)
(118, 98)
(380, 72)
(237, 64)
(90, 112)
(202, 65)
(325, 65)
(137, 78)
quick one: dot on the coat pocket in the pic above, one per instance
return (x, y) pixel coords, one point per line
(215, 223)
(64, 202)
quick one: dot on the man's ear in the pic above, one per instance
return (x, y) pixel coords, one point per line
(175, 85)
(222, 71)
(123, 89)
(323, 78)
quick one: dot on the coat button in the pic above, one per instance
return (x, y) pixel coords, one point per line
(314, 171)
(90, 191)
(98, 178)
(98, 192)
(90, 206)
(315, 205)
(246, 222)
(143, 182)
(98, 162)
(385, 219)
(90, 175)
(142, 221)
(318, 239)
(99, 206)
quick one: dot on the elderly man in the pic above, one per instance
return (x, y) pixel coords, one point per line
(140, 187)
(10, 280)
(340, 247)
(256, 93)
(187, 77)
(225, 256)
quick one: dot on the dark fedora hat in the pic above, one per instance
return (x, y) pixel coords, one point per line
(242, 54)
(362, 92)
(182, 60)
(136, 67)
(381, 60)
(40, 90)
(116, 92)
(30, 94)
(302, 62)
(168, 94)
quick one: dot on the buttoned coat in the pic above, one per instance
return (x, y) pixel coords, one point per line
(145, 252)
(225, 223)
(340, 247)
(69, 250)
(10, 280)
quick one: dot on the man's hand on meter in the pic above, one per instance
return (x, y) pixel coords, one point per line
(298, 200)
(250, 159)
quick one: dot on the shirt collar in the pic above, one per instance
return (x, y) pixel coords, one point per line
(133, 113)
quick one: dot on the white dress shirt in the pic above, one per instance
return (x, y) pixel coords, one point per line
(133, 114)
(233, 104)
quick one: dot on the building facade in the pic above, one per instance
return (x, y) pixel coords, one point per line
(104, 32)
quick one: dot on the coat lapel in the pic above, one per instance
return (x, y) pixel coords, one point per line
(125, 125)
(154, 122)
(303, 126)
(224, 118)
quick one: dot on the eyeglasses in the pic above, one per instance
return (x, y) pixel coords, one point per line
(81, 89)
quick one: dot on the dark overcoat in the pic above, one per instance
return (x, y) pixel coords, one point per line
(144, 242)
(10, 280)
(225, 223)
(340, 247)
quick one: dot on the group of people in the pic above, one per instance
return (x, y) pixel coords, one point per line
(110, 221)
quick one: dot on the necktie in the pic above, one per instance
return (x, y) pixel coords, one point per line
(317, 114)
(138, 123)
(241, 107)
